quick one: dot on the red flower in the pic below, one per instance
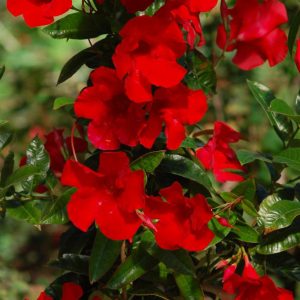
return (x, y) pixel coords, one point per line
(182, 222)
(250, 286)
(147, 56)
(110, 196)
(186, 14)
(175, 107)
(297, 55)
(60, 148)
(70, 291)
(133, 6)
(254, 32)
(217, 155)
(115, 119)
(38, 12)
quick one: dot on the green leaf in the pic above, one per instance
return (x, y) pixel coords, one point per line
(246, 156)
(189, 287)
(297, 103)
(21, 174)
(294, 27)
(104, 253)
(290, 157)
(201, 73)
(184, 167)
(72, 262)
(281, 107)
(279, 215)
(148, 162)
(38, 157)
(136, 265)
(280, 240)
(5, 139)
(62, 101)
(177, 260)
(79, 26)
(2, 71)
(3, 122)
(265, 206)
(245, 233)
(8, 168)
(264, 96)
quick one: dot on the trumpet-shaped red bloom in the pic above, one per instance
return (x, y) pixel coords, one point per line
(250, 286)
(114, 118)
(174, 107)
(297, 55)
(110, 196)
(217, 155)
(70, 291)
(133, 6)
(60, 149)
(254, 32)
(186, 14)
(182, 222)
(38, 12)
(148, 56)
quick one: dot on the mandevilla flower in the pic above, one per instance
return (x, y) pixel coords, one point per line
(297, 55)
(254, 33)
(217, 155)
(60, 148)
(38, 12)
(175, 107)
(186, 14)
(182, 222)
(250, 286)
(70, 291)
(109, 196)
(133, 6)
(115, 119)
(148, 56)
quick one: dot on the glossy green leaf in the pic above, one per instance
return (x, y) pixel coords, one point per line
(5, 139)
(245, 233)
(184, 167)
(136, 265)
(21, 174)
(38, 157)
(177, 260)
(246, 156)
(297, 103)
(280, 240)
(280, 215)
(104, 253)
(265, 206)
(290, 157)
(281, 107)
(189, 287)
(62, 101)
(72, 262)
(148, 162)
(78, 26)
(264, 96)
(294, 27)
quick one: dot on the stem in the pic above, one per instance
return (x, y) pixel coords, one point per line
(123, 258)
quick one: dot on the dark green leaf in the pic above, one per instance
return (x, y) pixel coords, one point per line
(136, 265)
(21, 174)
(264, 96)
(79, 26)
(184, 167)
(246, 156)
(177, 260)
(104, 253)
(245, 233)
(294, 27)
(189, 287)
(297, 103)
(5, 139)
(281, 107)
(7, 168)
(148, 162)
(62, 101)
(2, 70)
(72, 262)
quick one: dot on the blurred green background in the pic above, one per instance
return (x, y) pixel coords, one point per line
(27, 91)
